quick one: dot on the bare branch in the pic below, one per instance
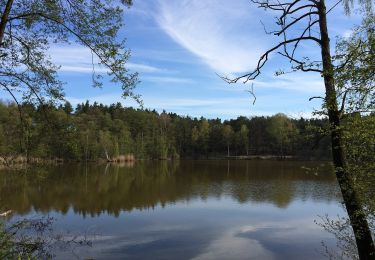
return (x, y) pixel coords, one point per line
(350, 56)
(264, 58)
(294, 22)
(300, 63)
(24, 44)
(251, 91)
(333, 7)
(288, 12)
(341, 111)
(303, 34)
(316, 97)
(14, 98)
(24, 82)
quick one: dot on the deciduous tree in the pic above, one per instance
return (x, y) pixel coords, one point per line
(311, 15)
(29, 27)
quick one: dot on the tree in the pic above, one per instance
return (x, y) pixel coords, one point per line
(204, 135)
(228, 136)
(243, 137)
(312, 15)
(282, 129)
(68, 108)
(27, 29)
(355, 80)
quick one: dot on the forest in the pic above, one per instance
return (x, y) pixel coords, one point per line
(96, 131)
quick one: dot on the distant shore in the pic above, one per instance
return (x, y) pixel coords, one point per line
(11, 161)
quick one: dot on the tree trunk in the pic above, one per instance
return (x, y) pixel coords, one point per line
(352, 203)
(4, 18)
(106, 155)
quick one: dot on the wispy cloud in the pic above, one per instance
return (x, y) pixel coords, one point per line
(301, 82)
(184, 106)
(143, 67)
(73, 58)
(166, 79)
(157, 102)
(224, 107)
(307, 83)
(82, 69)
(221, 33)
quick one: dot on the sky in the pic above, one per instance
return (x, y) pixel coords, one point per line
(180, 47)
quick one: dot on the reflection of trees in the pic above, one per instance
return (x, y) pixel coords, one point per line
(149, 184)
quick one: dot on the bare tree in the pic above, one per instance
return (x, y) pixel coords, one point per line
(311, 15)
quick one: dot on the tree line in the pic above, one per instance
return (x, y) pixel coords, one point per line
(96, 131)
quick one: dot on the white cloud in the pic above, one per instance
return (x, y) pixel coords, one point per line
(142, 67)
(73, 58)
(71, 54)
(230, 246)
(82, 69)
(223, 107)
(298, 81)
(106, 99)
(166, 79)
(347, 33)
(224, 34)
(157, 102)
(184, 106)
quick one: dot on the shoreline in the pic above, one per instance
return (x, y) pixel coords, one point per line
(17, 161)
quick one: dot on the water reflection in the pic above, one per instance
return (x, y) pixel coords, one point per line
(182, 210)
(97, 189)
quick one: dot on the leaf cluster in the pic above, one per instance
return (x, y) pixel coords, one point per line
(31, 26)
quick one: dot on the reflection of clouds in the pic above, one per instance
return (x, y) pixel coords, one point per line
(166, 227)
(218, 229)
(287, 240)
(268, 240)
(103, 248)
(230, 246)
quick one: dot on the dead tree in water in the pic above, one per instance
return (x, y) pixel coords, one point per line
(312, 15)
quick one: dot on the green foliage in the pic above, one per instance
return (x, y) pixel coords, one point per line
(355, 82)
(359, 132)
(17, 242)
(355, 78)
(366, 5)
(282, 130)
(95, 131)
(242, 139)
(228, 134)
(28, 28)
(35, 238)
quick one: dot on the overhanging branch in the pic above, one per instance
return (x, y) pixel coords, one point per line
(79, 37)
(264, 58)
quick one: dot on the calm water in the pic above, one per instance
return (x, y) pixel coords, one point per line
(182, 210)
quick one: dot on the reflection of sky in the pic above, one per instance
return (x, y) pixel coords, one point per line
(206, 229)
(193, 210)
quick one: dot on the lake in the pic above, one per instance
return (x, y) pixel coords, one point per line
(182, 209)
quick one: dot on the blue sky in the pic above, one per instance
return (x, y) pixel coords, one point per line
(179, 46)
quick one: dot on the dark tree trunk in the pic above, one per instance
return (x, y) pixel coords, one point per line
(4, 18)
(352, 202)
